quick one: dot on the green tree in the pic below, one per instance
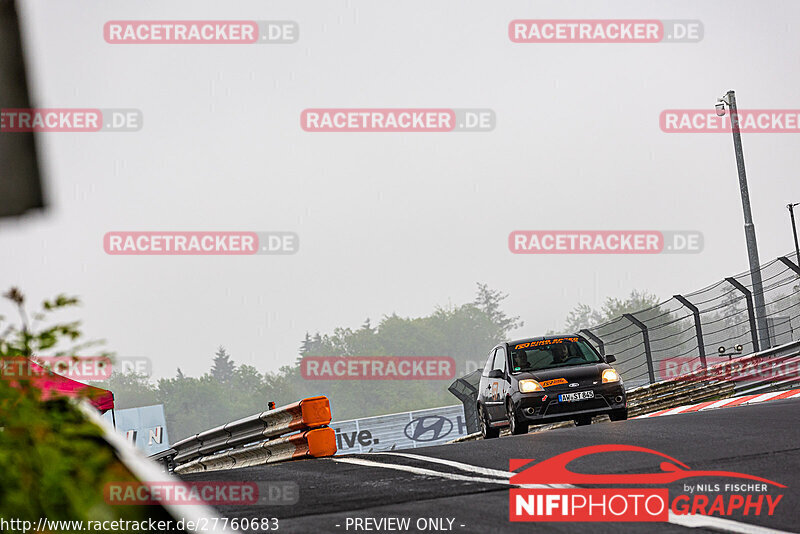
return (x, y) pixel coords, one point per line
(307, 345)
(130, 390)
(229, 392)
(582, 316)
(636, 302)
(223, 368)
(488, 301)
(53, 461)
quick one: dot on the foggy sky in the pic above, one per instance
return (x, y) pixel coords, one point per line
(389, 222)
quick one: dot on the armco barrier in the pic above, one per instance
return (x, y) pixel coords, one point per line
(771, 369)
(305, 415)
(318, 442)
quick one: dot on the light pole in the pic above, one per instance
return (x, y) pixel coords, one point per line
(794, 229)
(749, 228)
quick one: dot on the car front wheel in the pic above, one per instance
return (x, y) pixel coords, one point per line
(516, 426)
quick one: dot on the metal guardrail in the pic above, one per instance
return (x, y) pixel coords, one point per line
(746, 374)
(202, 451)
(318, 442)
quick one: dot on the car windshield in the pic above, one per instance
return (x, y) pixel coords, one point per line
(551, 354)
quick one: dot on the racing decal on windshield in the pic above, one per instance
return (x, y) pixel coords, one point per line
(564, 502)
(554, 382)
(546, 342)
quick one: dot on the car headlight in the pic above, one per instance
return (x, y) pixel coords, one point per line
(529, 386)
(610, 375)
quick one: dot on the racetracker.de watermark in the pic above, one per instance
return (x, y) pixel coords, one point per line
(721, 368)
(201, 32)
(378, 368)
(750, 121)
(81, 368)
(397, 120)
(15, 120)
(200, 243)
(604, 31)
(605, 242)
(214, 493)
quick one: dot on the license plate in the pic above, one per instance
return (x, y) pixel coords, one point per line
(577, 396)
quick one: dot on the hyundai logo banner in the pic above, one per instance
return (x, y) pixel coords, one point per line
(407, 430)
(144, 427)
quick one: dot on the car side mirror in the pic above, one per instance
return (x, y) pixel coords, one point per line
(496, 373)
(610, 358)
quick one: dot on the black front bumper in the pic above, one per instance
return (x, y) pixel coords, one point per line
(543, 406)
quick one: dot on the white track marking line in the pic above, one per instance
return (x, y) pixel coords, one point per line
(420, 471)
(688, 521)
(452, 476)
(458, 465)
(719, 523)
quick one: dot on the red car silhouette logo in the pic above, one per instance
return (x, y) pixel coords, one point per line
(554, 470)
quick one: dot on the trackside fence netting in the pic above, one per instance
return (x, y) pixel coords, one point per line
(690, 331)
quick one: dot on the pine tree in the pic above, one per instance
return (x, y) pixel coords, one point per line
(306, 345)
(224, 368)
(488, 301)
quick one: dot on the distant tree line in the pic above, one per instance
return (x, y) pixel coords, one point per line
(229, 391)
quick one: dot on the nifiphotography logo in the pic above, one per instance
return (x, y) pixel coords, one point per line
(547, 491)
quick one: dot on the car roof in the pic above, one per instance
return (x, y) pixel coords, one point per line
(540, 338)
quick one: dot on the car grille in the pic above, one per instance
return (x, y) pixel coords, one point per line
(556, 408)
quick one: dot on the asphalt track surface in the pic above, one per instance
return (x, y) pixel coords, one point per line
(761, 440)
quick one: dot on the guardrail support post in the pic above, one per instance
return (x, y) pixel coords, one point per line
(787, 262)
(646, 338)
(698, 329)
(750, 311)
(596, 339)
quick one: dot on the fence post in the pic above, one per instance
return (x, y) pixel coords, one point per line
(646, 338)
(597, 340)
(787, 262)
(698, 329)
(750, 312)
